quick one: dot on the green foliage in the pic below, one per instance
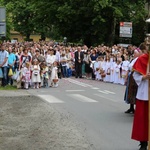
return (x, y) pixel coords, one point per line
(93, 22)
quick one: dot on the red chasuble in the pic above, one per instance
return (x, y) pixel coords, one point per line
(141, 64)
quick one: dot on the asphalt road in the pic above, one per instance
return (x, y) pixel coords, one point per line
(98, 107)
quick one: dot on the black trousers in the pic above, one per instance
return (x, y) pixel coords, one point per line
(78, 68)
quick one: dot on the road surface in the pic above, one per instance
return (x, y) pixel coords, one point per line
(98, 107)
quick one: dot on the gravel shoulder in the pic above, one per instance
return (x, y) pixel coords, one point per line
(28, 123)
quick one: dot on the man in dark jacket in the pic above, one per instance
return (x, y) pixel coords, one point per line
(79, 56)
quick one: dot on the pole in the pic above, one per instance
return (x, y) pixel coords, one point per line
(149, 104)
(148, 43)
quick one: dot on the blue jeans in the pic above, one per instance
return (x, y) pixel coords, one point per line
(5, 72)
(69, 72)
(64, 69)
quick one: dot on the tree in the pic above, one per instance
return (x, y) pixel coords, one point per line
(93, 22)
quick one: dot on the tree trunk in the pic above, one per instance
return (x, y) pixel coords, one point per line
(43, 36)
(112, 32)
(27, 37)
(87, 41)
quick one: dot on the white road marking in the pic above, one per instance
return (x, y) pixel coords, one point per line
(109, 92)
(104, 92)
(50, 99)
(76, 82)
(82, 84)
(82, 98)
(75, 90)
(95, 88)
(106, 98)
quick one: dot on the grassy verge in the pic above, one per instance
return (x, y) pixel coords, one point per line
(8, 87)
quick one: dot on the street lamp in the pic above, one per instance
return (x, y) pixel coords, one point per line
(65, 41)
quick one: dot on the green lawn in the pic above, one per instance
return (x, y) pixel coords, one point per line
(8, 87)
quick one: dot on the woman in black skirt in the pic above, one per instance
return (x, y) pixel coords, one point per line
(87, 61)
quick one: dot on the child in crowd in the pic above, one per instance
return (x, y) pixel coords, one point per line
(36, 79)
(54, 75)
(69, 71)
(107, 69)
(96, 68)
(102, 69)
(117, 67)
(113, 62)
(26, 75)
(63, 61)
(44, 75)
(124, 67)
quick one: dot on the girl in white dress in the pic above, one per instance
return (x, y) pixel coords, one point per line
(26, 75)
(54, 75)
(107, 69)
(35, 78)
(102, 69)
(124, 66)
(96, 69)
(113, 61)
(117, 67)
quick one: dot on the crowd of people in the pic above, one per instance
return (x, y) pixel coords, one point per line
(43, 63)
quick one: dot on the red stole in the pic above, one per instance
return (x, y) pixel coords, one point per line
(141, 64)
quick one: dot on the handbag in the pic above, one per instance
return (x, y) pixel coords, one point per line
(15, 76)
(10, 73)
(55, 80)
(108, 71)
(1, 73)
(35, 73)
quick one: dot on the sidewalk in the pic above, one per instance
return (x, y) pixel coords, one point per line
(28, 123)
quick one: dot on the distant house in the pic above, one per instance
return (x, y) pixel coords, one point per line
(14, 35)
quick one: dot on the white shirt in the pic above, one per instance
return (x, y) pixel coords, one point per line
(132, 63)
(50, 59)
(125, 65)
(57, 56)
(3, 54)
(142, 92)
(63, 58)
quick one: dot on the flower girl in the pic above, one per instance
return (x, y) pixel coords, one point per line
(54, 75)
(26, 75)
(117, 67)
(36, 79)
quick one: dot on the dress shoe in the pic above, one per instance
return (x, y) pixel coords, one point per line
(129, 111)
(143, 145)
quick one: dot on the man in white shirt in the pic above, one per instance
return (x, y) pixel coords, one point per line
(3, 64)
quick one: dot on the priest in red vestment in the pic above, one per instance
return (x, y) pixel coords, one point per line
(140, 123)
